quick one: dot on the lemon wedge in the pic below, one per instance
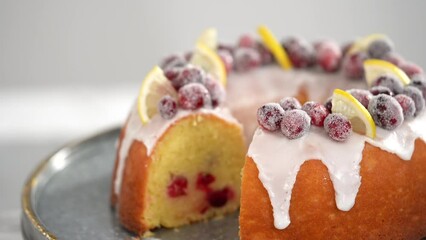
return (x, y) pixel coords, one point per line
(375, 67)
(208, 59)
(154, 87)
(208, 38)
(361, 45)
(272, 44)
(361, 120)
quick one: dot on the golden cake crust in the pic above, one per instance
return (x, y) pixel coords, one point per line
(391, 202)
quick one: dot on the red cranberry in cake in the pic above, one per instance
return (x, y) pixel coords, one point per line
(204, 180)
(419, 82)
(246, 59)
(407, 105)
(379, 48)
(295, 123)
(247, 41)
(363, 96)
(216, 90)
(328, 56)
(338, 127)
(193, 96)
(290, 103)
(386, 111)
(177, 187)
(328, 104)
(390, 82)
(394, 58)
(265, 55)
(227, 59)
(219, 198)
(189, 74)
(417, 97)
(353, 64)
(172, 61)
(269, 116)
(411, 69)
(300, 52)
(376, 90)
(316, 111)
(167, 107)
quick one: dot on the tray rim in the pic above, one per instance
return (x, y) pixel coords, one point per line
(29, 217)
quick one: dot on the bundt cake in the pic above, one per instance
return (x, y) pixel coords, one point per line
(181, 151)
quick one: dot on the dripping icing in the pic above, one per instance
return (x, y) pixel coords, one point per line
(278, 174)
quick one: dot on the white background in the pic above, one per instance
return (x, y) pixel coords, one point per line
(72, 68)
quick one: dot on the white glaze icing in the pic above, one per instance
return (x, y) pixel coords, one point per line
(278, 160)
(153, 130)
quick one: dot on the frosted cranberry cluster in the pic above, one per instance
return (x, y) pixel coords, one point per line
(196, 89)
(294, 120)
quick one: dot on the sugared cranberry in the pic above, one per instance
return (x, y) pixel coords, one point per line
(172, 61)
(193, 96)
(219, 198)
(316, 111)
(376, 90)
(167, 107)
(204, 180)
(177, 187)
(390, 82)
(394, 58)
(188, 56)
(386, 111)
(379, 48)
(265, 55)
(328, 104)
(338, 127)
(247, 41)
(172, 73)
(246, 59)
(269, 116)
(216, 90)
(189, 74)
(345, 48)
(328, 56)
(290, 103)
(407, 105)
(353, 65)
(419, 82)
(226, 47)
(295, 123)
(300, 52)
(417, 96)
(411, 69)
(227, 59)
(363, 96)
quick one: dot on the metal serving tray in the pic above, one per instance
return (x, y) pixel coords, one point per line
(67, 197)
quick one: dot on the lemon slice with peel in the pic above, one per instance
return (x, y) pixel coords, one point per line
(272, 44)
(361, 120)
(154, 87)
(375, 67)
(208, 59)
(361, 45)
(209, 38)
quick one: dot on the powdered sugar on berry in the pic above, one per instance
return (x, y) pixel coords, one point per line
(279, 159)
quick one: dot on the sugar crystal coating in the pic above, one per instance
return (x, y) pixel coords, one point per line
(328, 104)
(376, 90)
(417, 96)
(247, 41)
(353, 64)
(216, 90)
(186, 75)
(411, 69)
(174, 60)
(290, 103)
(265, 55)
(338, 127)
(193, 96)
(386, 111)
(363, 96)
(269, 116)
(295, 123)
(316, 111)
(407, 105)
(167, 107)
(246, 59)
(300, 52)
(227, 59)
(328, 56)
(419, 82)
(390, 82)
(379, 48)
